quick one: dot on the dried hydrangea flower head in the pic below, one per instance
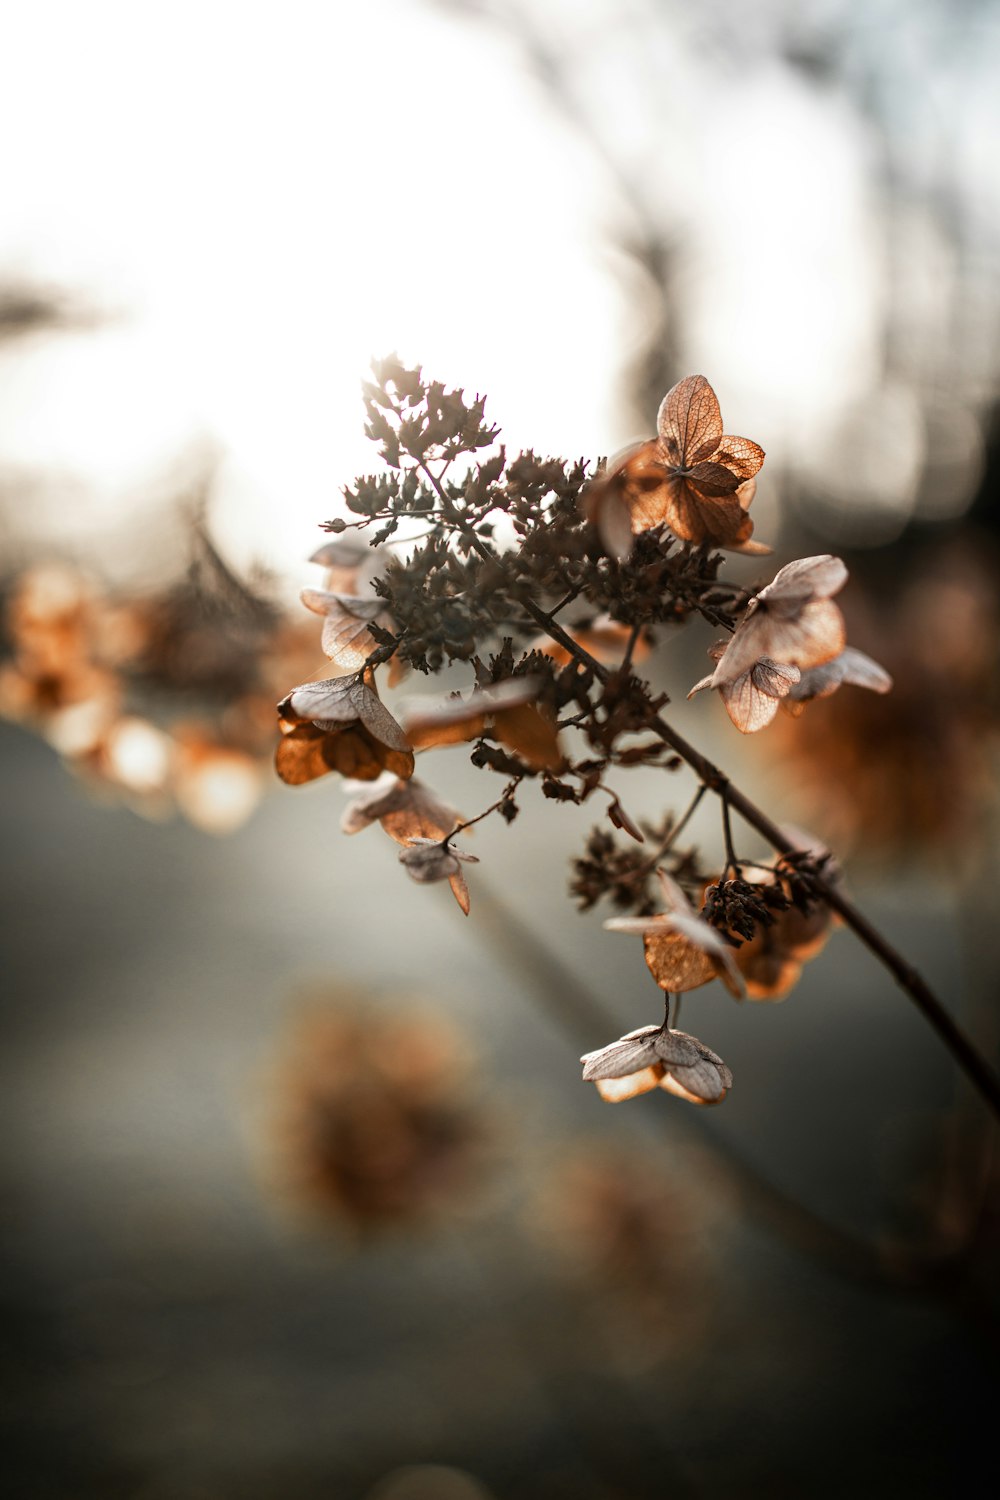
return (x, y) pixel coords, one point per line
(656, 1057)
(692, 477)
(789, 648)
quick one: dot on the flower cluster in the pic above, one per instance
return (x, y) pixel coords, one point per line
(550, 582)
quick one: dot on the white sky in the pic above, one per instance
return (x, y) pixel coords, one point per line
(273, 193)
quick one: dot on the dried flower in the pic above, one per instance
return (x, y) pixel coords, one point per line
(430, 860)
(751, 700)
(792, 621)
(771, 961)
(682, 952)
(407, 810)
(339, 724)
(656, 1057)
(351, 565)
(692, 478)
(346, 638)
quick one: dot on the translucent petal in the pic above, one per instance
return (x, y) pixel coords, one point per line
(629, 1053)
(617, 1090)
(689, 419)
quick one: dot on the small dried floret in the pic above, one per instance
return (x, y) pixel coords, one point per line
(751, 700)
(656, 1057)
(339, 702)
(692, 477)
(792, 621)
(429, 860)
(346, 639)
(407, 810)
(682, 951)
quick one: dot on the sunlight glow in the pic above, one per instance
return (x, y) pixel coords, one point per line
(276, 198)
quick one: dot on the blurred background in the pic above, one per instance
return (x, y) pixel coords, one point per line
(303, 1194)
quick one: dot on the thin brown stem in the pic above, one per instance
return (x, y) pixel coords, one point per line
(732, 863)
(508, 793)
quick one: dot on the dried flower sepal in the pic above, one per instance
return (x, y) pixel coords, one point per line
(346, 638)
(308, 751)
(751, 700)
(850, 667)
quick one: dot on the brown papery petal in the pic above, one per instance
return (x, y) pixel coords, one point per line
(530, 735)
(378, 719)
(418, 815)
(672, 1084)
(357, 754)
(436, 736)
(347, 641)
(807, 578)
(676, 964)
(302, 756)
(713, 479)
(689, 419)
(460, 890)
(769, 975)
(330, 699)
(621, 1058)
(752, 700)
(695, 517)
(740, 455)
